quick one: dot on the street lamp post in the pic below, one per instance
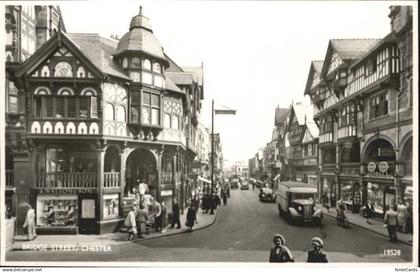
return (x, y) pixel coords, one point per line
(213, 112)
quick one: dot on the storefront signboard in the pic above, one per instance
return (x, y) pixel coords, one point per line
(371, 167)
(383, 167)
(166, 193)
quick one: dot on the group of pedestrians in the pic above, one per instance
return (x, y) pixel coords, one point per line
(398, 218)
(279, 253)
(210, 203)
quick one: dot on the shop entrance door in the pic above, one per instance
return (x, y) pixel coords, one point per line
(88, 214)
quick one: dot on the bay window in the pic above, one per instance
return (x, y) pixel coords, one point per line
(147, 104)
(378, 106)
(64, 106)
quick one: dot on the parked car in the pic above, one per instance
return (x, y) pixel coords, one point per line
(267, 194)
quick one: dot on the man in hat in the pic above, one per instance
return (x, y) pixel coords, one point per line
(315, 255)
(30, 222)
(279, 252)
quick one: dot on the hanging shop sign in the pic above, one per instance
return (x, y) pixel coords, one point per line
(383, 167)
(371, 167)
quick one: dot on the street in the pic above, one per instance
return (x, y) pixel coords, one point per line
(243, 232)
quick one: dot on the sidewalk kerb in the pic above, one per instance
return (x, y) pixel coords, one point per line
(371, 230)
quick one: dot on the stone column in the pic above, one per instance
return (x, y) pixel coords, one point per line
(122, 179)
(337, 169)
(100, 156)
(159, 173)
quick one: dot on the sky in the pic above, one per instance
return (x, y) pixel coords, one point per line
(256, 55)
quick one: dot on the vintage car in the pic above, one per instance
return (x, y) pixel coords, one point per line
(267, 194)
(296, 202)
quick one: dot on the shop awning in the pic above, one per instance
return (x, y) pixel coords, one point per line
(204, 180)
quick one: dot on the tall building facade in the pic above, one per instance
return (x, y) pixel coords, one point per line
(362, 96)
(100, 117)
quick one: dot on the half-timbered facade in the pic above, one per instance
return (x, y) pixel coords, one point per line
(303, 139)
(365, 117)
(103, 116)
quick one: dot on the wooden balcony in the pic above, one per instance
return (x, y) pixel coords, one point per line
(347, 131)
(66, 180)
(10, 178)
(167, 177)
(112, 180)
(326, 138)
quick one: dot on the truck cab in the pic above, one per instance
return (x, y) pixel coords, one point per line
(296, 202)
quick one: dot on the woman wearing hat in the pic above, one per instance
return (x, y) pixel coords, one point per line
(279, 252)
(315, 255)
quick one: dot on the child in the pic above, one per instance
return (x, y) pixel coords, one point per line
(279, 252)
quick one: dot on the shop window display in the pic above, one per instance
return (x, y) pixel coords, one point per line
(57, 211)
(111, 206)
(376, 196)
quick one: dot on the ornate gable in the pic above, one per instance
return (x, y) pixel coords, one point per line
(62, 63)
(59, 57)
(307, 137)
(334, 62)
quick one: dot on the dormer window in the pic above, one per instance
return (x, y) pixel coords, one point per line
(135, 62)
(147, 65)
(124, 63)
(156, 68)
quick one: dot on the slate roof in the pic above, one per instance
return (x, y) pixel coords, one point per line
(313, 129)
(181, 78)
(350, 49)
(140, 37)
(280, 115)
(173, 67)
(317, 64)
(170, 85)
(196, 71)
(304, 110)
(99, 51)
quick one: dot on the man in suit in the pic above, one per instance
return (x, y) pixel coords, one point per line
(175, 215)
(391, 221)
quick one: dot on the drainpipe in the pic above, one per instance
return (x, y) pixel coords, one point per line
(397, 145)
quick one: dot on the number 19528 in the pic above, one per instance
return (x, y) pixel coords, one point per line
(392, 252)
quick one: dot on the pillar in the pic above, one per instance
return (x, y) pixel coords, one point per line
(22, 180)
(122, 179)
(100, 156)
(337, 170)
(159, 174)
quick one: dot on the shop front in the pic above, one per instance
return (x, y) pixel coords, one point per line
(351, 193)
(328, 190)
(382, 194)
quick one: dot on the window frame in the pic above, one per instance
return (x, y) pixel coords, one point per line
(379, 108)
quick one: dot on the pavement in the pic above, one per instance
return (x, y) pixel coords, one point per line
(376, 226)
(102, 242)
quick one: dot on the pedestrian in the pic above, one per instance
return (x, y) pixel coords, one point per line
(224, 196)
(328, 202)
(175, 215)
(369, 211)
(253, 185)
(157, 211)
(196, 203)
(213, 203)
(130, 223)
(316, 255)
(141, 221)
(409, 225)
(391, 223)
(164, 217)
(402, 216)
(29, 223)
(191, 218)
(279, 252)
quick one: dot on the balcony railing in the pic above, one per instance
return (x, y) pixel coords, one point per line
(66, 180)
(348, 131)
(166, 177)
(350, 168)
(328, 167)
(10, 178)
(112, 180)
(326, 138)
